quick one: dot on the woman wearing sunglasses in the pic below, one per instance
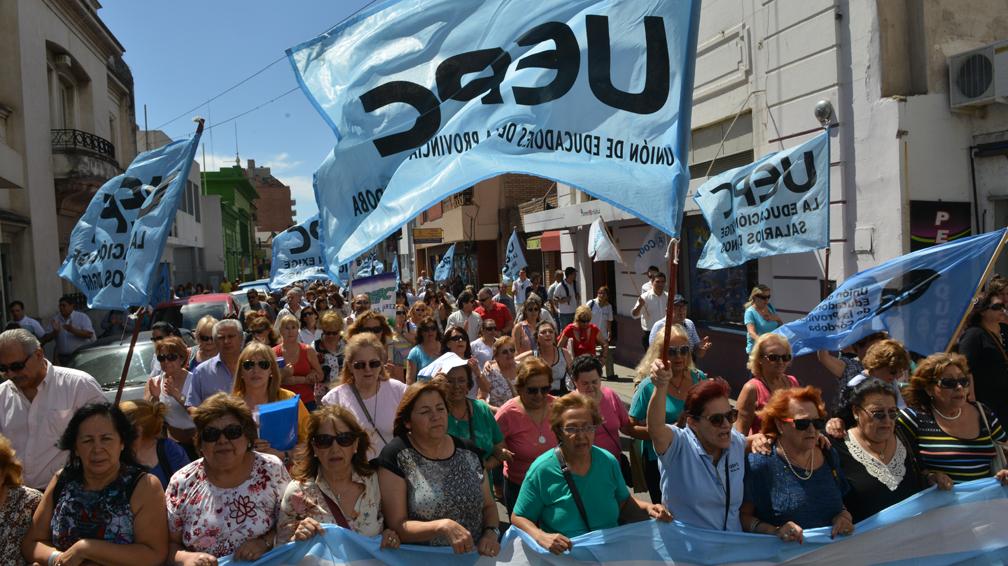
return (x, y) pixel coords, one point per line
(166, 388)
(799, 485)
(524, 331)
(310, 329)
(456, 341)
(950, 433)
(886, 360)
(258, 382)
(428, 348)
(501, 372)
(226, 502)
(986, 353)
(302, 370)
(366, 390)
(577, 487)
(875, 457)
(333, 482)
(205, 347)
(330, 350)
(768, 362)
(525, 424)
(683, 375)
(760, 316)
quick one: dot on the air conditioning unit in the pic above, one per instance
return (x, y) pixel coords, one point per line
(979, 77)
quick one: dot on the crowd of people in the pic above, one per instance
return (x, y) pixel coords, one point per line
(412, 428)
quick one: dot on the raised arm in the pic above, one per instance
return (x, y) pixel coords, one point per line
(662, 435)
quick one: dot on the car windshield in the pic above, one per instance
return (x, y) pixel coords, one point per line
(186, 316)
(106, 363)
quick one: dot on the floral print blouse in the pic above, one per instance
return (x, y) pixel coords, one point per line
(218, 520)
(304, 499)
(15, 518)
(104, 514)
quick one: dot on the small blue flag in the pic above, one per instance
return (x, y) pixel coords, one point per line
(395, 269)
(777, 205)
(514, 259)
(444, 268)
(918, 298)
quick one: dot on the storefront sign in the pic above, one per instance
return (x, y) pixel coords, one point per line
(937, 222)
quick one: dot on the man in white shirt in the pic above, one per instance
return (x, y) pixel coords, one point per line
(466, 317)
(558, 276)
(567, 298)
(18, 315)
(293, 306)
(602, 317)
(37, 400)
(651, 272)
(520, 289)
(650, 307)
(71, 329)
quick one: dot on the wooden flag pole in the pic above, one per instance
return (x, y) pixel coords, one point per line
(138, 322)
(673, 276)
(976, 293)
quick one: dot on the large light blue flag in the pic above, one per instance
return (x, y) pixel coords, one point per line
(918, 298)
(514, 259)
(427, 97)
(932, 528)
(115, 248)
(443, 271)
(297, 255)
(777, 205)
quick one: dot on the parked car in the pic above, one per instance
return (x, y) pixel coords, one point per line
(185, 313)
(261, 285)
(104, 360)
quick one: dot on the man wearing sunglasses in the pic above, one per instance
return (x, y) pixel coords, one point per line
(37, 400)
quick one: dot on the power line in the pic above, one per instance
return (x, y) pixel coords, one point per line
(250, 110)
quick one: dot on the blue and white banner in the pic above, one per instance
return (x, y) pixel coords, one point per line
(514, 258)
(115, 248)
(428, 97)
(933, 528)
(777, 205)
(395, 269)
(297, 255)
(443, 271)
(381, 291)
(652, 252)
(918, 298)
(369, 265)
(600, 244)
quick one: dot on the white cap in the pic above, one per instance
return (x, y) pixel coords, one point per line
(444, 364)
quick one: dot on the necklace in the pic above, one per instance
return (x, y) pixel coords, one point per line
(780, 447)
(942, 415)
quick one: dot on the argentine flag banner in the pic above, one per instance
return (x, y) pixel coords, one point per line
(777, 205)
(918, 298)
(297, 255)
(428, 97)
(933, 528)
(115, 248)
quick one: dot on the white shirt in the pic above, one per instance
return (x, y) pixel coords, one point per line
(34, 427)
(645, 287)
(600, 316)
(520, 289)
(482, 351)
(560, 293)
(471, 323)
(308, 336)
(67, 343)
(32, 325)
(653, 309)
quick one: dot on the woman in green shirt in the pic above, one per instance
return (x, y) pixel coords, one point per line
(470, 419)
(550, 509)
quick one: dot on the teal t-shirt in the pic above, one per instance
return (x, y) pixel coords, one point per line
(673, 407)
(546, 499)
(486, 433)
(761, 325)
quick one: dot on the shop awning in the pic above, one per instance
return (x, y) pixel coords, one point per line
(550, 241)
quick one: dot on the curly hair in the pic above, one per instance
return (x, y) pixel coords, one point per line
(354, 345)
(362, 319)
(779, 407)
(928, 373)
(888, 354)
(306, 462)
(757, 350)
(221, 405)
(11, 469)
(529, 368)
(571, 401)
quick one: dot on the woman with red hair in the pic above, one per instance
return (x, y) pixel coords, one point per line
(798, 485)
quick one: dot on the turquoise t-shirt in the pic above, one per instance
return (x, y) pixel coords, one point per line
(484, 427)
(761, 325)
(673, 407)
(421, 360)
(545, 498)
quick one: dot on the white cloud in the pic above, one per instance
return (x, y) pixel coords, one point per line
(214, 162)
(281, 161)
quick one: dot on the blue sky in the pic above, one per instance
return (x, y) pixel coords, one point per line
(184, 52)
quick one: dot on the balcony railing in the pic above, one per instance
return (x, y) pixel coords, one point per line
(458, 200)
(78, 140)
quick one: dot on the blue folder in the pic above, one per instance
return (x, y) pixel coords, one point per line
(278, 423)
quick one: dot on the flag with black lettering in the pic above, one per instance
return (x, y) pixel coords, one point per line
(428, 97)
(115, 249)
(777, 205)
(514, 258)
(297, 255)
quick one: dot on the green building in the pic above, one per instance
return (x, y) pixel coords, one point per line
(238, 212)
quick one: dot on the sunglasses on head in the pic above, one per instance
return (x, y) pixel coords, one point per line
(718, 419)
(777, 357)
(538, 390)
(249, 364)
(16, 366)
(881, 415)
(803, 424)
(169, 357)
(361, 364)
(952, 383)
(230, 432)
(205, 338)
(680, 351)
(326, 440)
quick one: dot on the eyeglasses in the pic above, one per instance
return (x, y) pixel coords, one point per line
(777, 357)
(249, 364)
(361, 364)
(16, 366)
(718, 419)
(456, 338)
(330, 333)
(169, 357)
(764, 297)
(230, 432)
(996, 307)
(205, 338)
(881, 415)
(803, 424)
(538, 390)
(326, 440)
(503, 351)
(490, 329)
(952, 383)
(400, 313)
(572, 430)
(680, 351)
(372, 329)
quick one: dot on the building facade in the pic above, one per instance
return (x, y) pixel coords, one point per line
(274, 213)
(237, 220)
(67, 124)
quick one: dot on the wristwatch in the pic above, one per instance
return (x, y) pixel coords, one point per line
(493, 530)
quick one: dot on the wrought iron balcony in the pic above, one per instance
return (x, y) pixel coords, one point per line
(77, 140)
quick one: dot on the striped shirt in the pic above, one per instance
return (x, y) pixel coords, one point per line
(962, 459)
